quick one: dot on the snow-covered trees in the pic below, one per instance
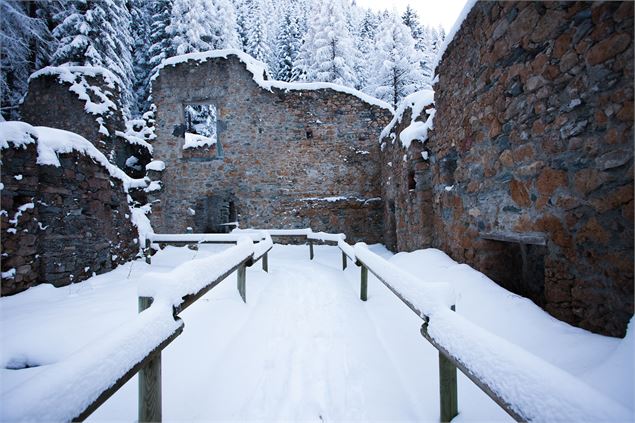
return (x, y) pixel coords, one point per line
(25, 46)
(288, 44)
(329, 49)
(201, 25)
(97, 33)
(396, 68)
(310, 40)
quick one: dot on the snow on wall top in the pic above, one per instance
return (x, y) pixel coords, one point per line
(469, 4)
(259, 72)
(417, 102)
(76, 77)
(51, 142)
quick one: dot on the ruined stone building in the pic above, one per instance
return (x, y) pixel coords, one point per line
(526, 173)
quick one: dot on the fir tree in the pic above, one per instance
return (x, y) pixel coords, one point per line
(97, 33)
(201, 25)
(333, 48)
(288, 46)
(27, 44)
(396, 70)
(141, 14)
(257, 31)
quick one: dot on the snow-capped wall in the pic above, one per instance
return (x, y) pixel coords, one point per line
(85, 100)
(277, 146)
(65, 212)
(527, 174)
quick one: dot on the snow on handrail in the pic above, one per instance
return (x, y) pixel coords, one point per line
(323, 236)
(207, 238)
(195, 276)
(64, 390)
(527, 387)
(263, 247)
(524, 385)
(422, 298)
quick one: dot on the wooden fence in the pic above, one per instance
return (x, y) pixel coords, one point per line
(422, 301)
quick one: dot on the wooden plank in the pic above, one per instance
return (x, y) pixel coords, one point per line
(532, 238)
(188, 300)
(242, 286)
(364, 286)
(343, 261)
(482, 385)
(148, 251)
(310, 249)
(265, 262)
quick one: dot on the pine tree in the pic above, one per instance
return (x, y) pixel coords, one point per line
(141, 14)
(304, 60)
(26, 43)
(333, 47)
(288, 46)
(365, 41)
(396, 70)
(160, 41)
(257, 31)
(97, 33)
(201, 25)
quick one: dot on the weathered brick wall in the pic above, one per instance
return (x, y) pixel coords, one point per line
(285, 154)
(79, 224)
(534, 135)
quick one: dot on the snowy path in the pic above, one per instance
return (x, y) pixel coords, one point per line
(304, 347)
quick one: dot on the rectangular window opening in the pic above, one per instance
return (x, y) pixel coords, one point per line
(201, 128)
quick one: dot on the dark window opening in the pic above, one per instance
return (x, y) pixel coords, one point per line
(516, 266)
(309, 134)
(412, 182)
(216, 214)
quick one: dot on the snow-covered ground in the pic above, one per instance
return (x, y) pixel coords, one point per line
(304, 347)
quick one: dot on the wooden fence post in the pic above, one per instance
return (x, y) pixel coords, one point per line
(242, 286)
(150, 382)
(148, 251)
(310, 249)
(265, 262)
(364, 288)
(447, 388)
(343, 261)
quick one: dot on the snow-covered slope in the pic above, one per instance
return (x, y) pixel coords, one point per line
(303, 347)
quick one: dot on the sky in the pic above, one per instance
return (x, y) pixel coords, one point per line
(431, 12)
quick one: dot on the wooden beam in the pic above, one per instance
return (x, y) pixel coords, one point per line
(188, 300)
(242, 286)
(150, 381)
(265, 262)
(478, 382)
(105, 395)
(364, 286)
(448, 394)
(343, 261)
(531, 238)
(148, 251)
(311, 249)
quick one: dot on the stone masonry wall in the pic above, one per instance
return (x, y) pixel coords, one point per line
(533, 142)
(79, 223)
(51, 103)
(290, 158)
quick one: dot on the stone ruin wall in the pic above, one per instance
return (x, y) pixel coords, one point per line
(534, 133)
(80, 222)
(51, 103)
(288, 155)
